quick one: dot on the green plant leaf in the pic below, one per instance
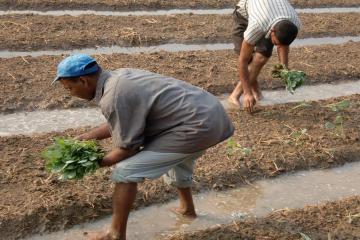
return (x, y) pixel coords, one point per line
(329, 125)
(246, 151)
(343, 104)
(339, 105)
(291, 78)
(297, 134)
(339, 120)
(69, 174)
(72, 159)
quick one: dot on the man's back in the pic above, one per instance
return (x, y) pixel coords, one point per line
(163, 113)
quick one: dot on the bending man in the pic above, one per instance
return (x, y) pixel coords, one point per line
(159, 126)
(259, 25)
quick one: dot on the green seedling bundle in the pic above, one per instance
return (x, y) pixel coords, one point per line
(72, 159)
(291, 78)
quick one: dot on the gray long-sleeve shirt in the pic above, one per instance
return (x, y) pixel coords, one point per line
(160, 113)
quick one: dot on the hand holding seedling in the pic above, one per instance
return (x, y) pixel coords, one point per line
(98, 133)
(72, 159)
(291, 78)
(82, 137)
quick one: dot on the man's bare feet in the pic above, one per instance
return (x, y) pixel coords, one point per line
(103, 235)
(234, 101)
(185, 213)
(258, 95)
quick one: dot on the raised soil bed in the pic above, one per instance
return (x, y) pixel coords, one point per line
(33, 200)
(26, 80)
(34, 32)
(151, 4)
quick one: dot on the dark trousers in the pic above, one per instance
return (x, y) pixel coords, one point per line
(264, 46)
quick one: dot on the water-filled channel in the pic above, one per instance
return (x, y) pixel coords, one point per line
(170, 47)
(259, 199)
(59, 120)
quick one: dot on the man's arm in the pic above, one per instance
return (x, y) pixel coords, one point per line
(243, 68)
(283, 52)
(117, 155)
(98, 133)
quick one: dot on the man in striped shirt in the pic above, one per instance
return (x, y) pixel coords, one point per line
(259, 25)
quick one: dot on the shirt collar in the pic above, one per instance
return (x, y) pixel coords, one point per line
(104, 75)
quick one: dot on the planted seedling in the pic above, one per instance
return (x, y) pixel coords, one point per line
(72, 159)
(302, 105)
(338, 122)
(233, 147)
(291, 78)
(339, 106)
(297, 136)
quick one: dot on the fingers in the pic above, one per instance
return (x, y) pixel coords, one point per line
(249, 105)
(250, 108)
(79, 138)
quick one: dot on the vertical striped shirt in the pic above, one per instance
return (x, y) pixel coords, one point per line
(262, 15)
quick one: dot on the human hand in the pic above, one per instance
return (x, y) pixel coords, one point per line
(82, 137)
(256, 91)
(249, 102)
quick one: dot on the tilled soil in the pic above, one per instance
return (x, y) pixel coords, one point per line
(275, 138)
(26, 81)
(33, 32)
(150, 4)
(331, 220)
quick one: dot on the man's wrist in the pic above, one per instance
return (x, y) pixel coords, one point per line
(247, 91)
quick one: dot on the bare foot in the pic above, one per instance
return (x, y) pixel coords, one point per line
(234, 101)
(182, 212)
(258, 95)
(103, 235)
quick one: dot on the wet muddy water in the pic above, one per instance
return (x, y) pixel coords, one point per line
(259, 199)
(171, 47)
(59, 120)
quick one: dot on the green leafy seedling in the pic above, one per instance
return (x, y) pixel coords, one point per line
(72, 159)
(338, 122)
(330, 125)
(291, 78)
(296, 135)
(233, 147)
(339, 106)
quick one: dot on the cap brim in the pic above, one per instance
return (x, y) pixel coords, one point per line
(91, 70)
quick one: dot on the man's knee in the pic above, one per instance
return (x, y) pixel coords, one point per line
(122, 174)
(176, 181)
(259, 59)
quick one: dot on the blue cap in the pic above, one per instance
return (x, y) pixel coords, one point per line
(75, 66)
